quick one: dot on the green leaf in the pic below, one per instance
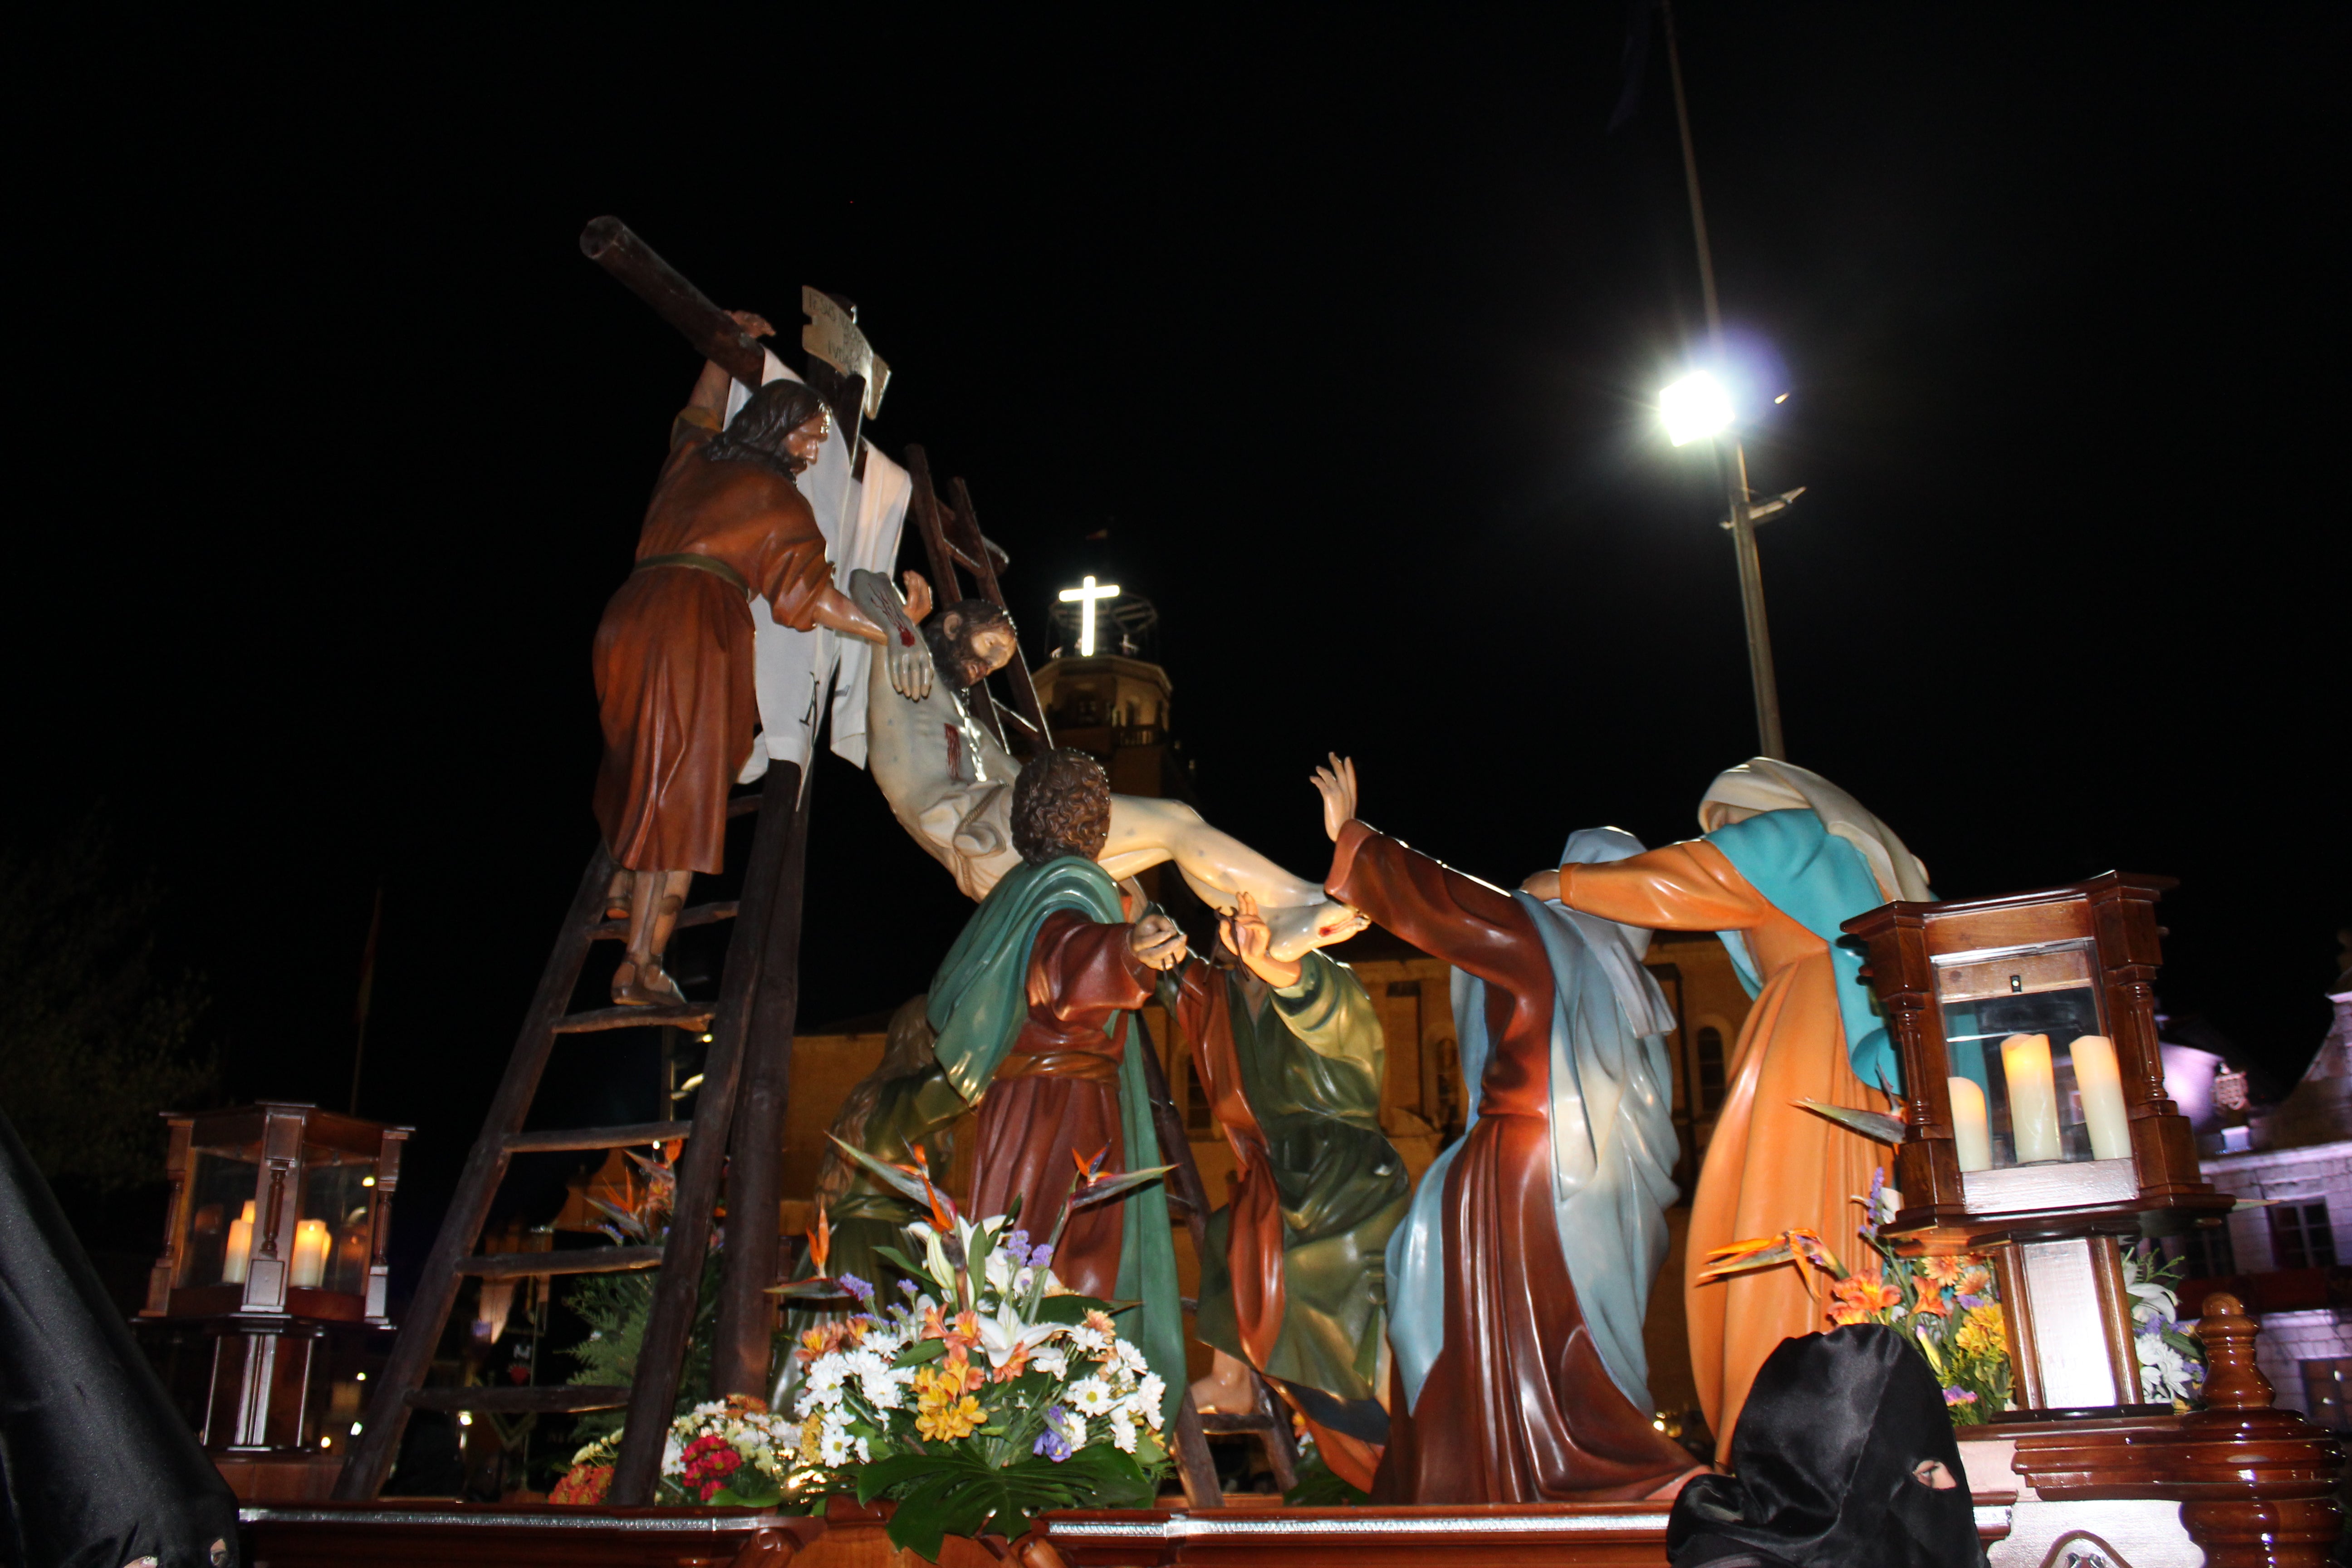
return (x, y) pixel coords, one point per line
(908, 1187)
(1875, 1125)
(1068, 1309)
(1113, 1188)
(918, 1353)
(898, 1469)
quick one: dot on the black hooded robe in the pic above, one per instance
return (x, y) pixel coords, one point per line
(97, 1469)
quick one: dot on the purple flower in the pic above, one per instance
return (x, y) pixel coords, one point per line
(1016, 1247)
(1050, 1442)
(856, 1286)
(1042, 1257)
(910, 1287)
(1973, 1302)
(1959, 1396)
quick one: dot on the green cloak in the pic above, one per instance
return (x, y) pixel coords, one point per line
(979, 1002)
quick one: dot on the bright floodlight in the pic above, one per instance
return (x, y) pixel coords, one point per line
(1695, 409)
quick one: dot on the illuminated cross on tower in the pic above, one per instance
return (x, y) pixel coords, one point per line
(1085, 597)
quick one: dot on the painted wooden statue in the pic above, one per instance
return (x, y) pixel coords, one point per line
(673, 659)
(1787, 856)
(950, 783)
(1517, 1403)
(1035, 1014)
(1293, 1282)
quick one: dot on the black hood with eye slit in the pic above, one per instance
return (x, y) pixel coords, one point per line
(1822, 1461)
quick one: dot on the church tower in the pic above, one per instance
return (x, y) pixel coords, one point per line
(1103, 692)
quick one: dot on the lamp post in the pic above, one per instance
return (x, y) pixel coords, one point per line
(1729, 456)
(1695, 409)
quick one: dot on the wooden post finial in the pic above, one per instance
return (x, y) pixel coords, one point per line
(2232, 1381)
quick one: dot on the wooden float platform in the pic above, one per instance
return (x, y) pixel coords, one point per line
(485, 1535)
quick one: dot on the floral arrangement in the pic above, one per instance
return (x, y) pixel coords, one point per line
(2172, 1362)
(991, 1393)
(728, 1453)
(1948, 1309)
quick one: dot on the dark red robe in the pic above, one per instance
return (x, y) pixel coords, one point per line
(1518, 1408)
(1057, 1092)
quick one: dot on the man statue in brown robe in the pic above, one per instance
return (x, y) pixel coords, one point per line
(673, 659)
(1518, 1408)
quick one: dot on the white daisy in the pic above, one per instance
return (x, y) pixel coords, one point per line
(1149, 1395)
(1122, 1432)
(1091, 1394)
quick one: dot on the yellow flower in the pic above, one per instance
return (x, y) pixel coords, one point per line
(1981, 1334)
(945, 1415)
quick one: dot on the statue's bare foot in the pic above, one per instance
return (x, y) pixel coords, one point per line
(648, 987)
(1228, 1387)
(1299, 929)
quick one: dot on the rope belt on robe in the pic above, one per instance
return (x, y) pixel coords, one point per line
(1086, 1067)
(694, 563)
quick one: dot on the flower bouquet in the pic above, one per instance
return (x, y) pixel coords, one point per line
(1947, 1309)
(991, 1393)
(2171, 1363)
(728, 1453)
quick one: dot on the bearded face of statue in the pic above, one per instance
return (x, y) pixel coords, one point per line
(802, 445)
(971, 640)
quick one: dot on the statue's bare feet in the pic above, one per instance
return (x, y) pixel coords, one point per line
(1299, 929)
(645, 987)
(1228, 1387)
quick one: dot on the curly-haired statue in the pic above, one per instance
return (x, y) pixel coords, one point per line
(1034, 1009)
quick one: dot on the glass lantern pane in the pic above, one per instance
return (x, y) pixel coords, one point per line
(332, 1228)
(218, 1246)
(2034, 1077)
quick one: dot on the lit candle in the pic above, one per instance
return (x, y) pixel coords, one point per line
(310, 1252)
(240, 1248)
(2033, 1098)
(1971, 1128)
(2103, 1097)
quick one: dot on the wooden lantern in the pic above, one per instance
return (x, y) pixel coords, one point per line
(278, 1226)
(2038, 1130)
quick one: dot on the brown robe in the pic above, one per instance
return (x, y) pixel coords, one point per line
(674, 675)
(1056, 1092)
(1518, 1408)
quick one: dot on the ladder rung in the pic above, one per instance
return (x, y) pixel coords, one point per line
(1218, 1421)
(699, 915)
(693, 1015)
(522, 1401)
(582, 1260)
(597, 1136)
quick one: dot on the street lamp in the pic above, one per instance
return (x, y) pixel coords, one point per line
(1697, 409)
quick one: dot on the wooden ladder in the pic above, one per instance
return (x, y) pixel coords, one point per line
(651, 1396)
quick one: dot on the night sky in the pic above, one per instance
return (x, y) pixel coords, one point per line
(1348, 332)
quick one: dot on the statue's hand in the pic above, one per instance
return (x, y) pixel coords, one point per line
(919, 597)
(1252, 940)
(1337, 785)
(1157, 942)
(1544, 884)
(752, 322)
(911, 662)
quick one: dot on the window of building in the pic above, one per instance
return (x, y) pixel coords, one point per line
(2300, 1236)
(1198, 1113)
(2325, 1392)
(1450, 1098)
(2205, 1252)
(1708, 1099)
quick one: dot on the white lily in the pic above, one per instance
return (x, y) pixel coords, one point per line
(1004, 1333)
